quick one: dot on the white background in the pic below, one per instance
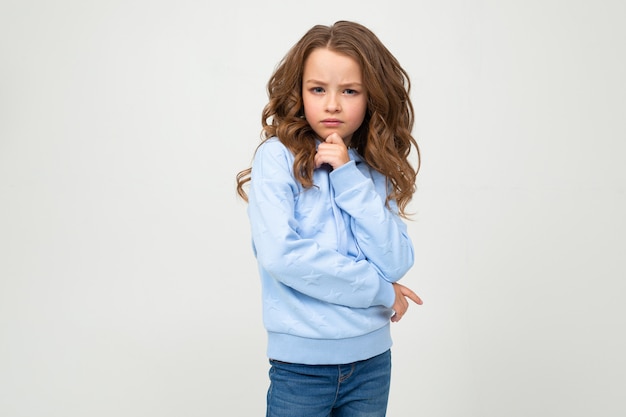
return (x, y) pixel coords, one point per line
(127, 281)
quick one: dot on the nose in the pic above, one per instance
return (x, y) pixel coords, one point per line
(332, 103)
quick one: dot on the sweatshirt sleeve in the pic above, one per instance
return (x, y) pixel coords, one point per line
(295, 261)
(380, 232)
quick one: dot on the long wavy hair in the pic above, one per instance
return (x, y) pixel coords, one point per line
(384, 139)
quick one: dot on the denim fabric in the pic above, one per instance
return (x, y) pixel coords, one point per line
(359, 389)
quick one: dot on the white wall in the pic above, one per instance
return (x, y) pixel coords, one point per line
(127, 283)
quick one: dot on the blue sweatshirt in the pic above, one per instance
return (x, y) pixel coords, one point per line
(327, 256)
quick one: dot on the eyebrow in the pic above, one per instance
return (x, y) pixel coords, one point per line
(345, 85)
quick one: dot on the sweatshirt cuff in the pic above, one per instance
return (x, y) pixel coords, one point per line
(386, 295)
(346, 177)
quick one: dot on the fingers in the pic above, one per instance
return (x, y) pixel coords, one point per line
(407, 292)
(399, 313)
(333, 152)
(335, 139)
(401, 305)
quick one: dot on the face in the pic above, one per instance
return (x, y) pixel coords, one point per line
(333, 94)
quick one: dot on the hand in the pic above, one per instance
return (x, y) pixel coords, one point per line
(401, 305)
(333, 152)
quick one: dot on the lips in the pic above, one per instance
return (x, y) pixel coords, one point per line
(331, 122)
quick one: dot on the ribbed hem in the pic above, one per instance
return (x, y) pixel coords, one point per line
(295, 349)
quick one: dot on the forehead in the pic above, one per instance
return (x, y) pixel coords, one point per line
(324, 62)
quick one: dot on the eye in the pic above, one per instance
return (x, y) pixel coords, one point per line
(317, 90)
(350, 92)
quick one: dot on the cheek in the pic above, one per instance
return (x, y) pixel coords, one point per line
(309, 107)
(359, 114)
(364, 110)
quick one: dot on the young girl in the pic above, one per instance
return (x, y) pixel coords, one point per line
(328, 190)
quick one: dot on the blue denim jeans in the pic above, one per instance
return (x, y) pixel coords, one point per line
(359, 389)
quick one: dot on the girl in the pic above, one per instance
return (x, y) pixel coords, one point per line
(328, 189)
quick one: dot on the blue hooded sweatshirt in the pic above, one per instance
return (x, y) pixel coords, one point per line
(327, 256)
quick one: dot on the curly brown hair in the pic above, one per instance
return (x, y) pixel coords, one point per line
(384, 139)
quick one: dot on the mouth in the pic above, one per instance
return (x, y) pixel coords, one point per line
(331, 122)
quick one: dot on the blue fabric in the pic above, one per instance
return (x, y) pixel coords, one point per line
(359, 389)
(327, 256)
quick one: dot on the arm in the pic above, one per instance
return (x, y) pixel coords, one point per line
(380, 232)
(295, 261)
(361, 192)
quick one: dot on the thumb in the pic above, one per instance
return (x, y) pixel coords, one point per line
(334, 138)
